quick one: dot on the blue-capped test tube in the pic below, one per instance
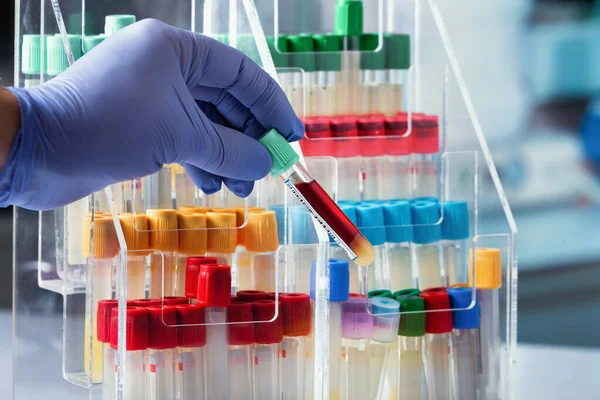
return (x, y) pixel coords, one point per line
(399, 233)
(455, 232)
(304, 238)
(426, 246)
(372, 224)
(465, 341)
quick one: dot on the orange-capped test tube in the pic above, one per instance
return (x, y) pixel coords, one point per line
(262, 243)
(137, 238)
(222, 238)
(243, 277)
(164, 240)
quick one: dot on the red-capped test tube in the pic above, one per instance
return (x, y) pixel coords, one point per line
(192, 271)
(191, 340)
(398, 147)
(426, 145)
(371, 132)
(161, 356)
(240, 336)
(214, 292)
(296, 314)
(103, 318)
(136, 337)
(267, 338)
(318, 143)
(346, 149)
(438, 344)
(316, 200)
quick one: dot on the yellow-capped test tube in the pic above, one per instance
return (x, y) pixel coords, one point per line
(137, 237)
(262, 243)
(244, 273)
(164, 240)
(222, 235)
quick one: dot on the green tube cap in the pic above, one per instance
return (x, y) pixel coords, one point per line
(411, 324)
(302, 48)
(397, 55)
(278, 47)
(369, 58)
(89, 42)
(56, 57)
(281, 152)
(116, 22)
(31, 54)
(407, 292)
(349, 17)
(380, 293)
(329, 43)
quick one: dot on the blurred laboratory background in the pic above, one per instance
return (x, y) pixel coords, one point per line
(533, 70)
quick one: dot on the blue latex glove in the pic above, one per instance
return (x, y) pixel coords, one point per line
(149, 95)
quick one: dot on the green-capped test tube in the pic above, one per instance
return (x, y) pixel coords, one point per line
(278, 46)
(56, 57)
(349, 24)
(31, 63)
(304, 81)
(116, 22)
(89, 42)
(397, 63)
(375, 92)
(329, 67)
(410, 373)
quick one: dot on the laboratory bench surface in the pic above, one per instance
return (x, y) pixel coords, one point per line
(543, 372)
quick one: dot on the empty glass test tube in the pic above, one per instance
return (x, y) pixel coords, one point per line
(267, 338)
(192, 241)
(397, 163)
(426, 245)
(240, 338)
(372, 151)
(164, 240)
(161, 354)
(455, 232)
(399, 233)
(137, 238)
(346, 149)
(191, 341)
(372, 224)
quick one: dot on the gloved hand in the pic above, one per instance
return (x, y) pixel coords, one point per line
(149, 95)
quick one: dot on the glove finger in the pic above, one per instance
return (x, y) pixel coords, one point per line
(212, 113)
(207, 182)
(240, 188)
(237, 115)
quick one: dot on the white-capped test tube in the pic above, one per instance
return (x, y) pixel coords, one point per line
(99, 247)
(137, 340)
(399, 233)
(137, 238)
(346, 150)
(302, 56)
(426, 145)
(158, 189)
(397, 164)
(103, 318)
(190, 382)
(386, 318)
(357, 329)
(164, 239)
(192, 241)
(214, 292)
(455, 232)
(192, 272)
(339, 284)
(296, 315)
(411, 368)
(426, 245)
(397, 63)
(372, 151)
(372, 224)
(240, 337)
(262, 243)
(31, 55)
(488, 281)
(267, 338)
(161, 356)
(329, 66)
(439, 354)
(465, 341)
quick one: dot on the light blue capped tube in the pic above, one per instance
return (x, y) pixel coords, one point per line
(426, 245)
(303, 236)
(399, 233)
(371, 223)
(455, 231)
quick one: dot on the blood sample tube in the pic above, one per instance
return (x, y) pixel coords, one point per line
(357, 329)
(240, 355)
(317, 201)
(192, 271)
(426, 145)
(439, 354)
(488, 281)
(108, 353)
(317, 140)
(296, 314)
(349, 24)
(31, 52)
(396, 168)
(411, 369)
(164, 241)
(455, 232)
(137, 238)
(371, 132)
(191, 341)
(329, 65)
(372, 224)
(137, 340)
(427, 233)
(465, 341)
(262, 243)
(339, 284)
(302, 56)
(399, 233)
(397, 63)
(161, 356)
(375, 93)
(192, 241)
(346, 149)
(222, 236)
(267, 338)
(214, 292)
(386, 318)
(279, 48)
(99, 247)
